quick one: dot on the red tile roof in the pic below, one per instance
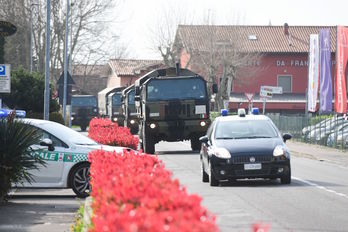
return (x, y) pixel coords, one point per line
(261, 39)
(90, 70)
(128, 67)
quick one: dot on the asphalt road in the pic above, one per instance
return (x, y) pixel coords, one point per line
(316, 200)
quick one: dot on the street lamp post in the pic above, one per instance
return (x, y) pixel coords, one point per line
(47, 65)
(71, 50)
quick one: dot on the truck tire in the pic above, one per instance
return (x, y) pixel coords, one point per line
(83, 127)
(148, 144)
(195, 144)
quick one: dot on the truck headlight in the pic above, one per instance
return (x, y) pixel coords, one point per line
(152, 125)
(115, 119)
(203, 123)
(132, 121)
(72, 118)
(222, 153)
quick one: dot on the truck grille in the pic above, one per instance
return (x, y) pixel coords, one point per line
(175, 110)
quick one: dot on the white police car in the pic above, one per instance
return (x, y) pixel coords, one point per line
(65, 152)
(243, 147)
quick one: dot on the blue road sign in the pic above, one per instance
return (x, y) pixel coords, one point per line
(2, 70)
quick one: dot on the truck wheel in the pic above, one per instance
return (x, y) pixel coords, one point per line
(83, 127)
(195, 144)
(148, 144)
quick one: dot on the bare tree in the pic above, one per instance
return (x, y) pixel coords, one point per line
(220, 56)
(90, 43)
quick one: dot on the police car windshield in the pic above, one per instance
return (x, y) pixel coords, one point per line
(84, 101)
(70, 135)
(131, 97)
(116, 99)
(245, 129)
(178, 89)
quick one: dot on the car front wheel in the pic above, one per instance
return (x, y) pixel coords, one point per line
(287, 178)
(212, 179)
(205, 176)
(79, 180)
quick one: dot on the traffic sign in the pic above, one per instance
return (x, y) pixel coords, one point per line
(268, 91)
(5, 78)
(249, 96)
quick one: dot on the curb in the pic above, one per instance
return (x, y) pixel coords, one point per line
(87, 215)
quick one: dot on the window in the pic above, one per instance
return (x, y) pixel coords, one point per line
(285, 83)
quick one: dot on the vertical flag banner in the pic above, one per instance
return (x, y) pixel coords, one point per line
(325, 83)
(313, 72)
(341, 63)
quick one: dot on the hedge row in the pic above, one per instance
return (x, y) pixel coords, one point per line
(133, 191)
(104, 131)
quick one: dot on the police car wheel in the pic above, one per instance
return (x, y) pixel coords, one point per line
(80, 180)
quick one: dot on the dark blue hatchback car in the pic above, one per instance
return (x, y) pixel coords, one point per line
(244, 147)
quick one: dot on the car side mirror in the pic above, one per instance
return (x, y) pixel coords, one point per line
(214, 88)
(204, 139)
(47, 143)
(286, 136)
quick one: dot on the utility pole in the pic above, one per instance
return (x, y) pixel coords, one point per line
(71, 51)
(47, 65)
(31, 36)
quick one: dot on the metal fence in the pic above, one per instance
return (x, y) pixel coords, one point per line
(328, 130)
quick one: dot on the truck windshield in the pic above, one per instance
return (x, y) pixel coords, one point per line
(84, 101)
(116, 99)
(181, 89)
(131, 97)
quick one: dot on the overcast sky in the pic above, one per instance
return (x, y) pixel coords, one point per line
(139, 17)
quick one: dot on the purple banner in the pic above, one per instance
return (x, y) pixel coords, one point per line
(325, 86)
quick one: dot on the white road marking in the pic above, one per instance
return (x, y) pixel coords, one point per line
(320, 187)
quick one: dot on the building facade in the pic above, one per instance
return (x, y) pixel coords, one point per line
(267, 55)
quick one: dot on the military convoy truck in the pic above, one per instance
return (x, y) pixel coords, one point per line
(131, 119)
(83, 109)
(109, 104)
(172, 105)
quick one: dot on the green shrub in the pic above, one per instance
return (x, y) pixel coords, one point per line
(78, 225)
(16, 159)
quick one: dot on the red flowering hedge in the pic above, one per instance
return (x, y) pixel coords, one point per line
(134, 192)
(104, 131)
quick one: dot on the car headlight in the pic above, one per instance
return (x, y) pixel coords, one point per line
(222, 153)
(279, 151)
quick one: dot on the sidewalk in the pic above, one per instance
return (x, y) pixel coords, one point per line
(317, 152)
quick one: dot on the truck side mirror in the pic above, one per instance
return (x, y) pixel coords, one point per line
(214, 88)
(137, 90)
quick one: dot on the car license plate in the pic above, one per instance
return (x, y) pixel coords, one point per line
(252, 166)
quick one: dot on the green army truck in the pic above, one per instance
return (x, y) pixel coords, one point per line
(83, 109)
(115, 107)
(131, 119)
(109, 104)
(172, 105)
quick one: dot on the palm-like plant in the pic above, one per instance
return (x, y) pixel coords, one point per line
(16, 158)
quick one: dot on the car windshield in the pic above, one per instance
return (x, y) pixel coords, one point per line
(66, 134)
(116, 99)
(245, 129)
(84, 101)
(180, 89)
(131, 97)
